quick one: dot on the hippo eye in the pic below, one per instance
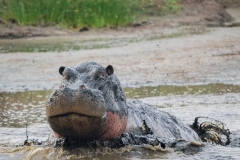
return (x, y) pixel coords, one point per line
(82, 87)
(102, 75)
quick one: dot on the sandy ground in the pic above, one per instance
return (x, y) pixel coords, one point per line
(210, 57)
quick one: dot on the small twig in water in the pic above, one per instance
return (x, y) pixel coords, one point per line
(26, 141)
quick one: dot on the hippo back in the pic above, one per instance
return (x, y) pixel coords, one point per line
(144, 119)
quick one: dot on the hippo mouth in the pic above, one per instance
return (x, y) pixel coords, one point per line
(76, 113)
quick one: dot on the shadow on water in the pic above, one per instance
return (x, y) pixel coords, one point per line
(20, 108)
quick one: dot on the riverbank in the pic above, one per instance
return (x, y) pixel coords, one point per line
(209, 56)
(205, 13)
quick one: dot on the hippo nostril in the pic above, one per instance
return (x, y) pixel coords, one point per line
(62, 87)
(51, 99)
(82, 87)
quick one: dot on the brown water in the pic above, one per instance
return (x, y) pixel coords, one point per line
(166, 90)
(20, 108)
(219, 101)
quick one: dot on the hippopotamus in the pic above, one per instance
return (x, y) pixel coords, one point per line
(90, 105)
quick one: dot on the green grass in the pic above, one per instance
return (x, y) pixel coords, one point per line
(162, 7)
(171, 6)
(72, 13)
(81, 13)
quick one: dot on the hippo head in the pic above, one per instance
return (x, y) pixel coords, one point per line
(90, 103)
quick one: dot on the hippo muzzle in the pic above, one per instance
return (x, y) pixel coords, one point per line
(90, 103)
(78, 113)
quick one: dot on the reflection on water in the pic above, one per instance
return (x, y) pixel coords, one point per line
(219, 101)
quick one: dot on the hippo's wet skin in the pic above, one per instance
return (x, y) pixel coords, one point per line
(90, 104)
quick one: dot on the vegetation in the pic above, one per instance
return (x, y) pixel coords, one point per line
(171, 6)
(81, 13)
(71, 13)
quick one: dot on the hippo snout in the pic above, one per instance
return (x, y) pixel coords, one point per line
(82, 101)
(76, 113)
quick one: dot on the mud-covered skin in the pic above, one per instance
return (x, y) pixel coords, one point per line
(144, 119)
(91, 105)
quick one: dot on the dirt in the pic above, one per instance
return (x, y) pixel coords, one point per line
(14, 31)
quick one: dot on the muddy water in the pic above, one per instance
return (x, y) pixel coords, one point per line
(219, 101)
(22, 108)
(75, 43)
(166, 90)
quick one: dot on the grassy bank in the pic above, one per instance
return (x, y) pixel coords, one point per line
(72, 13)
(81, 13)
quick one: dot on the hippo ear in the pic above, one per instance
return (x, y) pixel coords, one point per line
(61, 69)
(109, 70)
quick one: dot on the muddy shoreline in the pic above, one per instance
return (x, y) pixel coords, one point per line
(208, 57)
